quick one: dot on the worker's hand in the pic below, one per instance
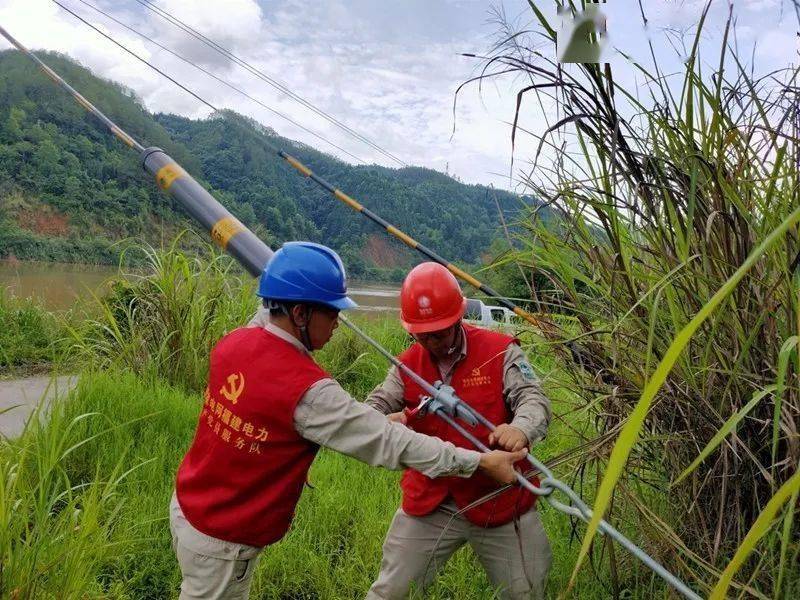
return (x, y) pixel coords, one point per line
(398, 417)
(508, 438)
(499, 465)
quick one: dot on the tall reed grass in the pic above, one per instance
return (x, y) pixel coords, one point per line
(161, 320)
(677, 253)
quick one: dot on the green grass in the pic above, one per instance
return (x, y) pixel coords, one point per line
(84, 499)
(30, 336)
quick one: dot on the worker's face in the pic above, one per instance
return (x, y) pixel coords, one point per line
(440, 343)
(320, 320)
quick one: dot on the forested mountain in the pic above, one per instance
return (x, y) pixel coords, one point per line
(70, 191)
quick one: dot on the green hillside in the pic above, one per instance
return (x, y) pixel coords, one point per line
(69, 191)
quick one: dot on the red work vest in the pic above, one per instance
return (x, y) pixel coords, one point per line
(478, 381)
(242, 477)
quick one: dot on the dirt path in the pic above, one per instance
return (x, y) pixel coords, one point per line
(25, 395)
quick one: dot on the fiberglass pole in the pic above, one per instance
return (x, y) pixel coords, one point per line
(225, 229)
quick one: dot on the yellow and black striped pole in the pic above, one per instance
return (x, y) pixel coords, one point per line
(544, 326)
(121, 135)
(225, 229)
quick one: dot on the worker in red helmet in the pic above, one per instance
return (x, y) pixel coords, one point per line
(489, 371)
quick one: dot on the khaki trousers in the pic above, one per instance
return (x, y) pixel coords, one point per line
(417, 547)
(212, 569)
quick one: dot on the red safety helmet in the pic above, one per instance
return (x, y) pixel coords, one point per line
(430, 299)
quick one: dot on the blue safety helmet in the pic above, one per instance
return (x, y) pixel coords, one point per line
(306, 272)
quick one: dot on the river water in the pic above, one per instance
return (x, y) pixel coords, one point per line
(60, 286)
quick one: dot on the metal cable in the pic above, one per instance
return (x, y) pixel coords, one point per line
(137, 57)
(219, 79)
(176, 22)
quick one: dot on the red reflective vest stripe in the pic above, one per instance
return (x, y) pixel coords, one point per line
(243, 475)
(478, 380)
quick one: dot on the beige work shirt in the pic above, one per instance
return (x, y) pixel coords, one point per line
(522, 391)
(327, 415)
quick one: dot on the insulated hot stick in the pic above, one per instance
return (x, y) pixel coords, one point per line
(546, 327)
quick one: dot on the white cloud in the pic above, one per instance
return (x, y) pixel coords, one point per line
(236, 25)
(777, 45)
(759, 5)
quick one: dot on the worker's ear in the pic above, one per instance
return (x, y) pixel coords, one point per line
(300, 315)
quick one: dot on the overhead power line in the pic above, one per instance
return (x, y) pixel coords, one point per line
(282, 87)
(212, 75)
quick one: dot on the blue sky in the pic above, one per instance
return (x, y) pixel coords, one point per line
(387, 68)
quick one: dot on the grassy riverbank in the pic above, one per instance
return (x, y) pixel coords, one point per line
(83, 502)
(83, 496)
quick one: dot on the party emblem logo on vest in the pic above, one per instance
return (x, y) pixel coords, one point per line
(475, 379)
(234, 388)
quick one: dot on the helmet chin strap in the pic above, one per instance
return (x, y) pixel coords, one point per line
(456, 340)
(305, 338)
(304, 335)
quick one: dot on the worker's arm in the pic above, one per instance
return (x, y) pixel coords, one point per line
(388, 396)
(523, 395)
(328, 415)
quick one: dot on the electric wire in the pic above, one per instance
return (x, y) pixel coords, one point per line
(176, 22)
(201, 69)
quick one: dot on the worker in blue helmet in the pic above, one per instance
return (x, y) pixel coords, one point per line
(268, 408)
(303, 280)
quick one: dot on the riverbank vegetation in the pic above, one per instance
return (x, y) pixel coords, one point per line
(31, 338)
